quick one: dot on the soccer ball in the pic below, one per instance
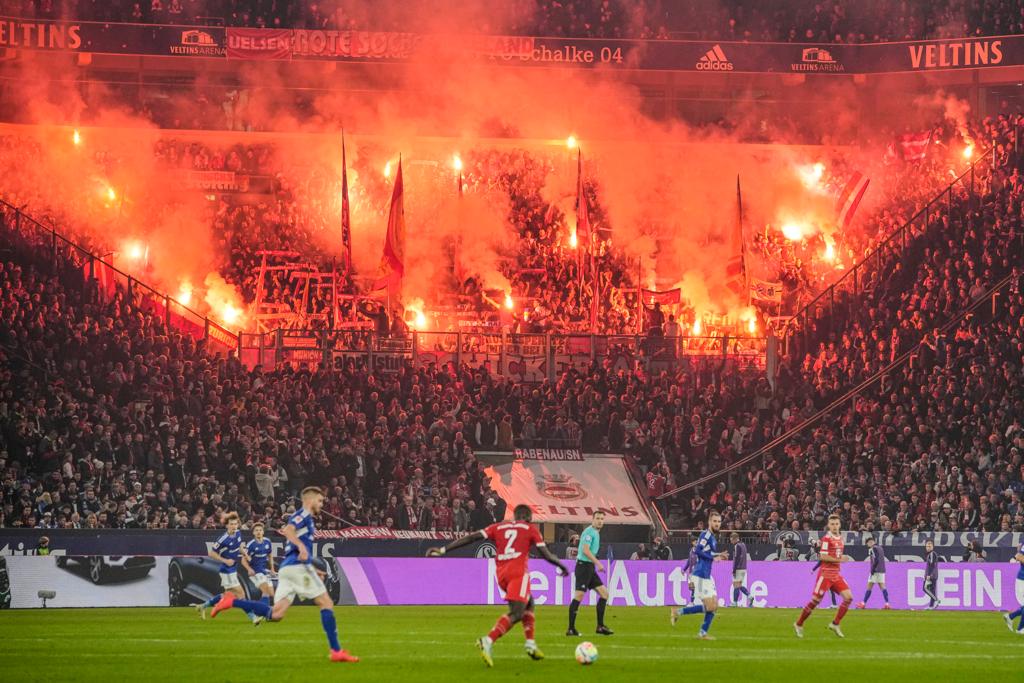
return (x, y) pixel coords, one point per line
(586, 653)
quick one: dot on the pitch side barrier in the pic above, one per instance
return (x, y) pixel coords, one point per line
(383, 542)
(698, 56)
(520, 357)
(140, 581)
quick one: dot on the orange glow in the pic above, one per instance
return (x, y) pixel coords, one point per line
(752, 326)
(830, 252)
(457, 162)
(387, 170)
(76, 138)
(792, 232)
(230, 314)
(136, 251)
(573, 242)
(571, 142)
(184, 296)
(111, 194)
(696, 326)
(509, 303)
(968, 151)
(421, 321)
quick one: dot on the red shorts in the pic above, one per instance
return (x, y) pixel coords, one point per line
(515, 584)
(824, 584)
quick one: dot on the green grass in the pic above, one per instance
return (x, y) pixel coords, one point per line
(432, 644)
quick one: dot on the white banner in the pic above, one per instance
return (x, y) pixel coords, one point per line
(570, 491)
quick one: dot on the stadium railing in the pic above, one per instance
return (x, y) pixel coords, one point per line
(838, 297)
(989, 297)
(528, 357)
(102, 272)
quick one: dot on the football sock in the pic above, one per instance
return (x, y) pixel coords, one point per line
(743, 589)
(735, 595)
(601, 604)
(330, 625)
(841, 612)
(885, 594)
(529, 621)
(574, 607)
(833, 596)
(708, 616)
(265, 599)
(867, 596)
(253, 607)
(692, 609)
(214, 599)
(1019, 612)
(500, 628)
(808, 608)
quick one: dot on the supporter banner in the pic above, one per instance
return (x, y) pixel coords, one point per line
(454, 581)
(570, 491)
(382, 533)
(259, 43)
(548, 454)
(214, 180)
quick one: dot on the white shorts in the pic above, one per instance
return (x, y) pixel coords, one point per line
(298, 581)
(1019, 587)
(704, 588)
(877, 577)
(229, 580)
(740, 575)
(259, 578)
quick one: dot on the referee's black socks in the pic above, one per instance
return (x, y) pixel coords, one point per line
(601, 604)
(574, 607)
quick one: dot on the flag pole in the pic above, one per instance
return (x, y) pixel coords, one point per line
(743, 243)
(639, 295)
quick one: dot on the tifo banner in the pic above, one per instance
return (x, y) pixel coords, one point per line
(457, 581)
(259, 43)
(570, 490)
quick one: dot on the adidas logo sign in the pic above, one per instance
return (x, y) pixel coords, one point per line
(714, 60)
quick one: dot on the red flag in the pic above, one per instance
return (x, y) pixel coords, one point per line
(582, 213)
(392, 262)
(346, 220)
(849, 198)
(671, 297)
(914, 146)
(736, 267)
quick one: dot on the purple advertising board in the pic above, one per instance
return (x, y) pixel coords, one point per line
(465, 581)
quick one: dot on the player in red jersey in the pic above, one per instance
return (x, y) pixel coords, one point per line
(829, 579)
(513, 541)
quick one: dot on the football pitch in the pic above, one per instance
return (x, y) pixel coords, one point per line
(437, 643)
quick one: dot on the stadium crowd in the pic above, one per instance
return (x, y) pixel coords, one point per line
(110, 419)
(838, 21)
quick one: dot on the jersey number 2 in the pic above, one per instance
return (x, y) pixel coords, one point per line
(510, 537)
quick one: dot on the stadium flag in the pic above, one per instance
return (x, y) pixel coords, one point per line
(346, 219)
(670, 297)
(392, 262)
(582, 213)
(763, 290)
(849, 198)
(736, 267)
(914, 146)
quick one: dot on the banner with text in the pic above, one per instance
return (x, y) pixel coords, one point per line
(570, 490)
